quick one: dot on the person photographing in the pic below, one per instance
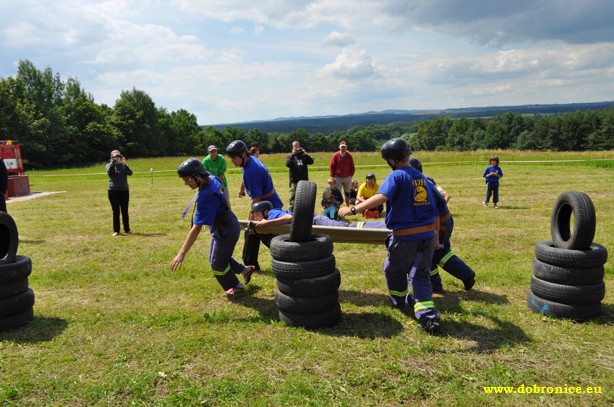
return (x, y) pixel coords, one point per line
(119, 193)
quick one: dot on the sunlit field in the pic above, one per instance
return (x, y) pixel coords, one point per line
(114, 326)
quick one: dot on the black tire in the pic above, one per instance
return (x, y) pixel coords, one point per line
(305, 305)
(304, 269)
(19, 268)
(9, 238)
(310, 287)
(569, 276)
(568, 294)
(578, 312)
(17, 303)
(304, 205)
(580, 205)
(324, 319)
(13, 287)
(318, 246)
(595, 256)
(16, 320)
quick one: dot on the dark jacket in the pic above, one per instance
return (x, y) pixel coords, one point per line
(4, 177)
(298, 167)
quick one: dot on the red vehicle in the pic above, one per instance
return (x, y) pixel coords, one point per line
(18, 185)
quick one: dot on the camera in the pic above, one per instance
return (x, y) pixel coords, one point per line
(299, 151)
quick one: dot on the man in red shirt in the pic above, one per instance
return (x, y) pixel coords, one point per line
(342, 169)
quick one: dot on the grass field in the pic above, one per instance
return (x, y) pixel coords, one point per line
(113, 326)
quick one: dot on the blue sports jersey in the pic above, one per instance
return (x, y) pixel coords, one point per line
(493, 180)
(410, 202)
(258, 182)
(209, 203)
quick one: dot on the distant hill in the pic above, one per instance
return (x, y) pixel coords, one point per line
(331, 124)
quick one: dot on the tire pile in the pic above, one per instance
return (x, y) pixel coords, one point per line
(568, 271)
(307, 293)
(16, 298)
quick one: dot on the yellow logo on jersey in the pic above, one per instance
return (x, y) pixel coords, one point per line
(420, 194)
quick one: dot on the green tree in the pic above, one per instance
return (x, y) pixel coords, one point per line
(136, 118)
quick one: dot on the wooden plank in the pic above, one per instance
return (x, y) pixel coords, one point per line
(338, 234)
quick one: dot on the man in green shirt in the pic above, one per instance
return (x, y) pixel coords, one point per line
(216, 165)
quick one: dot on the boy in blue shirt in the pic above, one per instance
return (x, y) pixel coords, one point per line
(492, 173)
(412, 216)
(259, 187)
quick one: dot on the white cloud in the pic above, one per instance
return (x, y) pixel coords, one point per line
(338, 39)
(234, 60)
(350, 65)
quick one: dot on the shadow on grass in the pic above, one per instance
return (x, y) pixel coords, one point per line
(367, 325)
(41, 329)
(487, 339)
(28, 241)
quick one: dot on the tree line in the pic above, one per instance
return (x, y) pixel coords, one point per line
(58, 124)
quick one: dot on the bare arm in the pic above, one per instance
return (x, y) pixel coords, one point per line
(282, 220)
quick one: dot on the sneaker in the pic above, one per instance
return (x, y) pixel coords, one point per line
(115, 234)
(129, 232)
(234, 292)
(430, 326)
(496, 207)
(485, 204)
(247, 273)
(469, 283)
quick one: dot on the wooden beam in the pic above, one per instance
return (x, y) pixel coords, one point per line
(338, 234)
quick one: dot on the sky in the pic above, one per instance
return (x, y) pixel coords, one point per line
(229, 61)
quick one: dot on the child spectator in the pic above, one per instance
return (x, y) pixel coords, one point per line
(332, 184)
(492, 173)
(330, 204)
(353, 192)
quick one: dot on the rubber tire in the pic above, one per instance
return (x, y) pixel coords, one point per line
(596, 256)
(9, 238)
(568, 294)
(13, 287)
(305, 305)
(304, 269)
(324, 319)
(16, 320)
(310, 287)
(577, 312)
(304, 206)
(569, 276)
(19, 268)
(580, 205)
(17, 303)
(317, 247)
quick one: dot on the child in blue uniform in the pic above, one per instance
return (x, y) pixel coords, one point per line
(256, 177)
(212, 210)
(492, 173)
(444, 257)
(413, 218)
(259, 186)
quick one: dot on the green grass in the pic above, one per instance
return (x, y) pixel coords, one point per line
(113, 325)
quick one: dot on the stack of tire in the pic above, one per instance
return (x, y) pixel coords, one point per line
(16, 298)
(568, 271)
(307, 293)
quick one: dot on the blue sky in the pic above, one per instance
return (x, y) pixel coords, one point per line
(241, 60)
